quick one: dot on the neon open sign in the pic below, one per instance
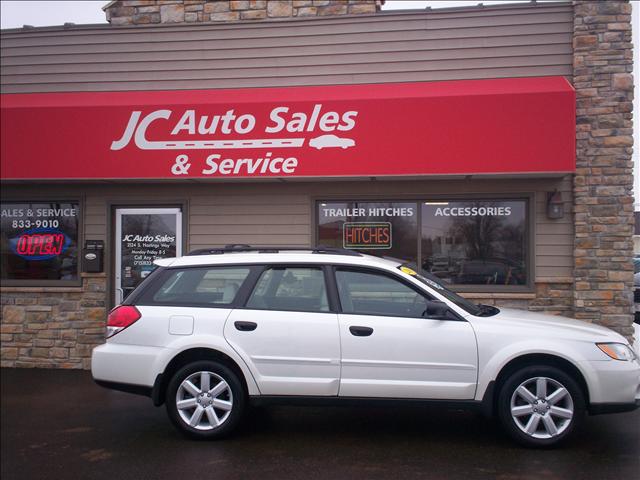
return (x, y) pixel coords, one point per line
(40, 244)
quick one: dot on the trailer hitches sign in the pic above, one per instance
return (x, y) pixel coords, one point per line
(512, 126)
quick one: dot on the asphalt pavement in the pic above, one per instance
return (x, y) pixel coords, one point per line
(58, 424)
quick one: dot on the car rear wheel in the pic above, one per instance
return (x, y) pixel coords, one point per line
(205, 400)
(540, 406)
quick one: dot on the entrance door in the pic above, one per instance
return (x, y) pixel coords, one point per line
(142, 236)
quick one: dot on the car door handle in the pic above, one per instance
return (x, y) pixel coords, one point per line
(361, 331)
(245, 326)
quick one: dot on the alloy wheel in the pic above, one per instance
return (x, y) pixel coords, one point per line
(542, 407)
(204, 400)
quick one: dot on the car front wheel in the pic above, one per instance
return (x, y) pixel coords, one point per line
(540, 406)
(205, 400)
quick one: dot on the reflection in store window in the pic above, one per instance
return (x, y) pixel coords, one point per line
(475, 242)
(386, 229)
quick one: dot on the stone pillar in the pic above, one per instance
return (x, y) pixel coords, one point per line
(134, 12)
(602, 66)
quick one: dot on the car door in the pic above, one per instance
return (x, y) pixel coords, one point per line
(287, 333)
(390, 348)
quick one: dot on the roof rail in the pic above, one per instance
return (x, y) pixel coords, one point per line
(236, 247)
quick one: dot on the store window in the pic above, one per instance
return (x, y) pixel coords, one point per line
(475, 242)
(39, 242)
(378, 228)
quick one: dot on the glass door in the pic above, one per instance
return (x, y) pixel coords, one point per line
(142, 236)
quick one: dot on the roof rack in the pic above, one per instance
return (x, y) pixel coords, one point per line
(320, 249)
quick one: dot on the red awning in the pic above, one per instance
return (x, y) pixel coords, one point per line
(500, 126)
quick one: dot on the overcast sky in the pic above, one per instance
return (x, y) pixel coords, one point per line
(15, 14)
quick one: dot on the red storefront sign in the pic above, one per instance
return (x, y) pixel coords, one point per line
(508, 126)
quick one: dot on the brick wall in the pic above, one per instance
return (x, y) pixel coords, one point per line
(135, 12)
(53, 327)
(603, 62)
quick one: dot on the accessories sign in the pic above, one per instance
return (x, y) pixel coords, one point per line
(524, 125)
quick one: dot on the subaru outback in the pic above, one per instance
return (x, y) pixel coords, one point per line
(209, 333)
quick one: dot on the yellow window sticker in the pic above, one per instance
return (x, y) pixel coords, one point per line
(408, 271)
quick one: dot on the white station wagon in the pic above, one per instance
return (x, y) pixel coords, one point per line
(210, 332)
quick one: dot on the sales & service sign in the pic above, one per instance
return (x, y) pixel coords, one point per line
(208, 134)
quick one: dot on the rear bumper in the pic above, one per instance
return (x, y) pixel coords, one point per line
(125, 387)
(121, 364)
(155, 393)
(600, 408)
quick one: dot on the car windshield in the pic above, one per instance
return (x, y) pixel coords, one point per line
(434, 282)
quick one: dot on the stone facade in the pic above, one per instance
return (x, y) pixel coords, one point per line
(53, 327)
(136, 12)
(554, 298)
(604, 216)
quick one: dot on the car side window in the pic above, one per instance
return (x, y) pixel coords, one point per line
(290, 288)
(370, 293)
(211, 285)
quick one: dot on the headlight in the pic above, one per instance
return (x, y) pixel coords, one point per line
(617, 351)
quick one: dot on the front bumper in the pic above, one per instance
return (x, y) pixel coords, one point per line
(614, 386)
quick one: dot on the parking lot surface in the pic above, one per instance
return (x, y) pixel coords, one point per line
(58, 424)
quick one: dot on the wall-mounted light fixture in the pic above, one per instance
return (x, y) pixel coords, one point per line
(555, 206)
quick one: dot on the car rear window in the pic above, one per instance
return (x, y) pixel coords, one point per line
(197, 286)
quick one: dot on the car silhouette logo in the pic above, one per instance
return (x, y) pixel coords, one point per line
(331, 141)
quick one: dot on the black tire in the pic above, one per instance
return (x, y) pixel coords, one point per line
(237, 395)
(566, 427)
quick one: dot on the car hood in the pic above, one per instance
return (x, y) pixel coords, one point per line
(548, 325)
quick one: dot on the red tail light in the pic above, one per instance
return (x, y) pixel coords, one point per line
(120, 318)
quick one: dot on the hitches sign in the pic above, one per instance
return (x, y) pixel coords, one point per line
(366, 235)
(522, 125)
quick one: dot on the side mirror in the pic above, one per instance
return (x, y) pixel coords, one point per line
(436, 310)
